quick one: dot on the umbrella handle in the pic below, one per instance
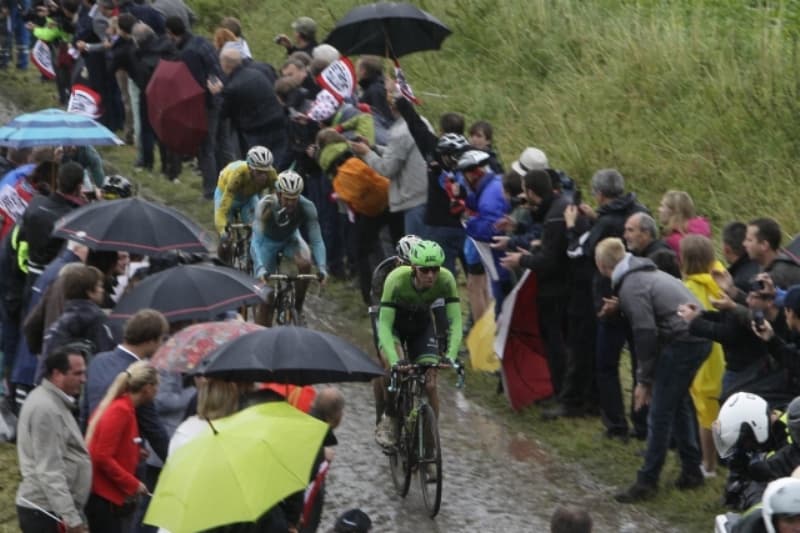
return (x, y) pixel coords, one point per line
(389, 49)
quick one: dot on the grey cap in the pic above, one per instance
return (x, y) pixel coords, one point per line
(305, 26)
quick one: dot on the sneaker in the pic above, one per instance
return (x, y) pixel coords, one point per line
(636, 493)
(385, 432)
(707, 474)
(690, 480)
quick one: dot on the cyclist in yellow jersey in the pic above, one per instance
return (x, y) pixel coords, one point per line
(239, 187)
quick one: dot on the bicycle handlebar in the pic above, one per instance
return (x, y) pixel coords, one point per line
(239, 225)
(294, 277)
(404, 367)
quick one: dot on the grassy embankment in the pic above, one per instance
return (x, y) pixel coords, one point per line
(700, 96)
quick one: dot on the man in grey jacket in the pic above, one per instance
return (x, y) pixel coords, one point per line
(668, 358)
(401, 161)
(53, 458)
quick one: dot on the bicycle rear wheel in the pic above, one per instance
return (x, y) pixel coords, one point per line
(429, 459)
(400, 457)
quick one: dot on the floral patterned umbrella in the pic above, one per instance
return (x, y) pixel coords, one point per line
(184, 350)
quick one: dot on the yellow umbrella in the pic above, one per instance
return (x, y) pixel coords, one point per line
(238, 470)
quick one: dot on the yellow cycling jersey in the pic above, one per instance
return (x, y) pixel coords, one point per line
(235, 182)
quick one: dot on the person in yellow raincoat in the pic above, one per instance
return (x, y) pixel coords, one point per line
(697, 263)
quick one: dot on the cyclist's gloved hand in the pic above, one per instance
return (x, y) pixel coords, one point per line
(224, 237)
(323, 276)
(400, 364)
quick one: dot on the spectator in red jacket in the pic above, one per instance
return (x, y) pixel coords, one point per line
(115, 448)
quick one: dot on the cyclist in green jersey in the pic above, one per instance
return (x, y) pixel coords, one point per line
(405, 323)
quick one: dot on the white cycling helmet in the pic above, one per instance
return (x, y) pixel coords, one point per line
(742, 413)
(452, 144)
(289, 183)
(781, 497)
(404, 246)
(472, 159)
(259, 158)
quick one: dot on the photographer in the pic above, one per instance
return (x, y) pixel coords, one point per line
(784, 350)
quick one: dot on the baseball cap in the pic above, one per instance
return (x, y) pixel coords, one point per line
(530, 159)
(792, 299)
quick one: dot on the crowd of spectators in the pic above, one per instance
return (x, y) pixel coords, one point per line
(611, 272)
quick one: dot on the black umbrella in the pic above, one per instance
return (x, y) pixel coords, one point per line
(387, 28)
(191, 292)
(133, 225)
(289, 354)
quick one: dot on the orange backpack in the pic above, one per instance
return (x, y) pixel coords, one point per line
(363, 189)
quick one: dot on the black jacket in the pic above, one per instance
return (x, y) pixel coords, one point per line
(148, 54)
(373, 93)
(731, 328)
(742, 271)
(249, 100)
(784, 271)
(202, 60)
(437, 208)
(781, 464)
(122, 56)
(146, 14)
(81, 320)
(549, 260)
(37, 224)
(610, 222)
(663, 256)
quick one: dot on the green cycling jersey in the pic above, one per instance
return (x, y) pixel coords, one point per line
(400, 295)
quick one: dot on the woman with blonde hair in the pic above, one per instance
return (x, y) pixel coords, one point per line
(115, 448)
(697, 263)
(215, 399)
(678, 218)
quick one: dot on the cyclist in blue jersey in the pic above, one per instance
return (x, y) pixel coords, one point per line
(276, 229)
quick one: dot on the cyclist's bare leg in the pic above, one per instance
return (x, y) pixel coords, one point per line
(432, 390)
(380, 389)
(301, 286)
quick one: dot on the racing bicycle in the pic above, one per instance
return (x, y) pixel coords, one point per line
(284, 296)
(417, 446)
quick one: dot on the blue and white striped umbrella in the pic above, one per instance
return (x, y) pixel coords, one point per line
(54, 127)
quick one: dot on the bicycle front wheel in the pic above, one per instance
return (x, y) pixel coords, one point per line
(429, 459)
(400, 457)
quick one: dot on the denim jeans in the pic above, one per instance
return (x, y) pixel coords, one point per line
(451, 239)
(22, 35)
(414, 221)
(671, 411)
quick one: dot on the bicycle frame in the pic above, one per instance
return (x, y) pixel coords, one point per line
(284, 298)
(241, 259)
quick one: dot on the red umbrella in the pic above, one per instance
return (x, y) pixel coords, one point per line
(176, 106)
(191, 345)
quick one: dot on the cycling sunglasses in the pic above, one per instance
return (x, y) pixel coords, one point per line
(428, 270)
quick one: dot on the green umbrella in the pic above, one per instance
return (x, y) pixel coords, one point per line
(237, 470)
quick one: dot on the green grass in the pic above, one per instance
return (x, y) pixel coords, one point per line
(700, 95)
